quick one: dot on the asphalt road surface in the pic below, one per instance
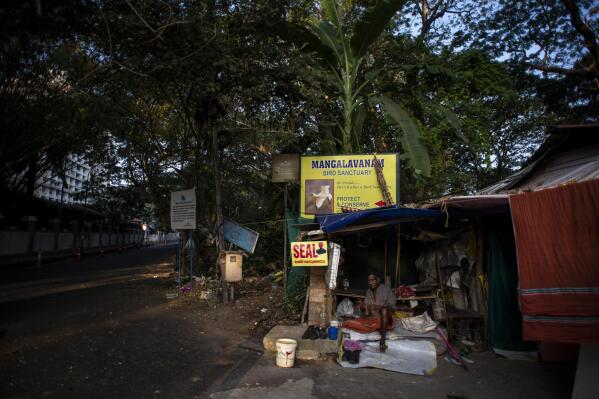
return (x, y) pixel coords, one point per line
(103, 328)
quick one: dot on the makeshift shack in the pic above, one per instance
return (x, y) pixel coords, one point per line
(433, 263)
(430, 261)
(549, 240)
(555, 215)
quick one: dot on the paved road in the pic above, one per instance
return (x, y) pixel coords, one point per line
(92, 271)
(102, 328)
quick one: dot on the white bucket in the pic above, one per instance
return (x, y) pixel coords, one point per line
(286, 352)
(334, 323)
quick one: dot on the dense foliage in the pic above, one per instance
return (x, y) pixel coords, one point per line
(464, 89)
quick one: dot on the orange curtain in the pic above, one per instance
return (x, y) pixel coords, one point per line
(557, 243)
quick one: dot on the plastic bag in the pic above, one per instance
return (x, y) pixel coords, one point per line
(421, 324)
(345, 308)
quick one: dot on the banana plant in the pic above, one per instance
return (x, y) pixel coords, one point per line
(342, 51)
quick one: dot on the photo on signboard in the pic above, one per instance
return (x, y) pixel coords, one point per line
(319, 196)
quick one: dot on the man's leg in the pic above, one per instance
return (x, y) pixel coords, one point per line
(383, 331)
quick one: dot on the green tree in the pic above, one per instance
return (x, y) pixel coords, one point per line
(555, 42)
(342, 48)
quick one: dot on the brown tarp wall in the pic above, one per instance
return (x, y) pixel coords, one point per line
(557, 243)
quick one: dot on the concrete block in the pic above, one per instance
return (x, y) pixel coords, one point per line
(328, 346)
(278, 331)
(306, 346)
(305, 354)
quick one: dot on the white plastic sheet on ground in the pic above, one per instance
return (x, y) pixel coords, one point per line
(404, 356)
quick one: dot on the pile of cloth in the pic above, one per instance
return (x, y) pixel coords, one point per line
(369, 324)
(405, 291)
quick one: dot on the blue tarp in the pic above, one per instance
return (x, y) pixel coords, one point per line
(388, 215)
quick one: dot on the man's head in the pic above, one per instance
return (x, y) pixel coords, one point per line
(374, 279)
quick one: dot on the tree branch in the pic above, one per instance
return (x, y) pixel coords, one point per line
(590, 40)
(157, 34)
(583, 73)
(429, 14)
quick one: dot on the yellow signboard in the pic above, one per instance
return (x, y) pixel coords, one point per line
(309, 253)
(332, 182)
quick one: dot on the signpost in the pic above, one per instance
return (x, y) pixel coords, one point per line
(183, 217)
(241, 236)
(331, 183)
(183, 210)
(285, 169)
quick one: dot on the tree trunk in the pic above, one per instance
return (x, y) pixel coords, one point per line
(219, 207)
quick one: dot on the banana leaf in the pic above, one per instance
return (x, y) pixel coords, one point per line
(372, 24)
(415, 150)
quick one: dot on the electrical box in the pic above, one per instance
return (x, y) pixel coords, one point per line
(231, 266)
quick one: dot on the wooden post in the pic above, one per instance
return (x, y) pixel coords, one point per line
(481, 297)
(317, 311)
(285, 241)
(305, 310)
(219, 208)
(329, 306)
(398, 257)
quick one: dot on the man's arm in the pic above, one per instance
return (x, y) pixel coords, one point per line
(390, 299)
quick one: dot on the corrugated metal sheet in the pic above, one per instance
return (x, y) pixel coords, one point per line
(572, 166)
(509, 182)
(569, 154)
(473, 204)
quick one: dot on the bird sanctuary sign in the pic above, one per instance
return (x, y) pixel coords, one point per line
(330, 183)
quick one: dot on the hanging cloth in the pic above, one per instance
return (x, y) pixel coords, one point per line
(557, 243)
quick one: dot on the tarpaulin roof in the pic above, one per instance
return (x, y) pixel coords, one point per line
(374, 217)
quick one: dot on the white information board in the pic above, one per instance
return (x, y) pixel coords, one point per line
(183, 210)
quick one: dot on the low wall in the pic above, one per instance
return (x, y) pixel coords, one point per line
(18, 246)
(161, 237)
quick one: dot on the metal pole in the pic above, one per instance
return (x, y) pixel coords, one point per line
(179, 260)
(190, 259)
(285, 241)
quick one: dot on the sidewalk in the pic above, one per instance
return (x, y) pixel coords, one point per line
(490, 377)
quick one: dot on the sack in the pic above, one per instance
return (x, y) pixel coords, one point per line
(419, 324)
(345, 308)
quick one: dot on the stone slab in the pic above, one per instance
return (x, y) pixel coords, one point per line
(307, 349)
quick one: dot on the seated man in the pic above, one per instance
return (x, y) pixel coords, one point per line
(378, 308)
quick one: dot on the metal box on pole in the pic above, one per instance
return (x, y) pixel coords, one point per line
(231, 263)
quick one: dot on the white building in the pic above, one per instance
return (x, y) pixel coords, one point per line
(50, 185)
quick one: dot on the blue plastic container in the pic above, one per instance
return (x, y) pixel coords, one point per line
(333, 333)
